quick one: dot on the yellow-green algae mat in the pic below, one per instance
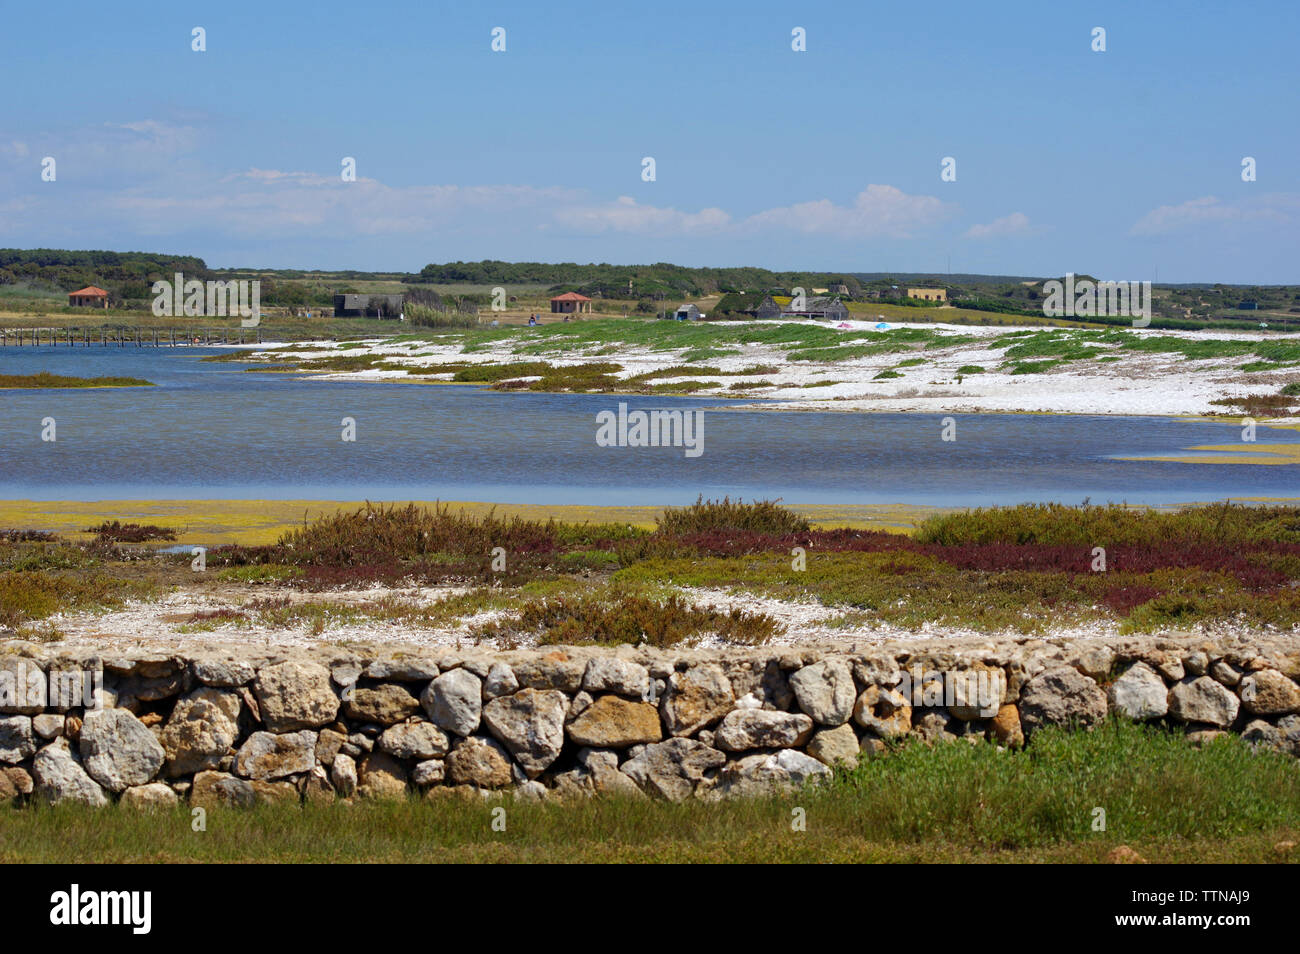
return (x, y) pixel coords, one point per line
(253, 522)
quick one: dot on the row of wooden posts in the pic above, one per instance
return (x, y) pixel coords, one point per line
(122, 338)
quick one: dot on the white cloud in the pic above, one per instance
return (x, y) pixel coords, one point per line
(1277, 207)
(150, 178)
(1017, 223)
(625, 214)
(878, 211)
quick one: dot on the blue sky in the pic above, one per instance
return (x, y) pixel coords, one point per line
(1124, 164)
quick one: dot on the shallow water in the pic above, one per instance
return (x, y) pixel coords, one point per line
(212, 431)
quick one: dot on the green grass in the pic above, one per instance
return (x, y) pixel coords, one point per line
(970, 369)
(31, 595)
(1021, 569)
(951, 801)
(46, 380)
(614, 617)
(709, 516)
(1113, 525)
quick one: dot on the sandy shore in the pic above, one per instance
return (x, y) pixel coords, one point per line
(1133, 383)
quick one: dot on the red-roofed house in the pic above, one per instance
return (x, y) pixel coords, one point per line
(570, 303)
(89, 297)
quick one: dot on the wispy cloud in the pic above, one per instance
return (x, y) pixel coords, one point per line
(1017, 223)
(625, 214)
(150, 179)
(878, 211)
(1278, 207)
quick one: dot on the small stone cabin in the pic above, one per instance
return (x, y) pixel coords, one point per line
(570, 303)
(928, 294)
(88, 297)
(687, 312)
(831, 309)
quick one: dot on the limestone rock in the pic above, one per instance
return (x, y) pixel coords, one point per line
(386, 705)
(429, 772)
(743, 729)
(16, 739)
(877, 671)
(696, 699)
(500, 681)
(26, 686)
(884, 712)
(837, 746)
(211, 789)
(480, 761)
(673, 769)
(381, 776)
(615, 723)
(1140, 694)
(117, 750)
(151, 797)
(267, 755)
(610, 781)
(975, 693)
(1205, 700)
(531, 724)
(403, 669)
(223, 673)
(346, 673)
(1094, 661)
(825, 691)
(295, 695)
(328, 744)
(1269, 692)
(934, 725)
(454, 701)
(1171, 667)
(343, 774)
(274, 793)
(59, 777)
(202, 729)
(415, 740)
(315, 786)
(14, 783)
(577, 706)
(1005, 727)
(766, 774)
(552, 671)
(1061, 696)
(47, 725)
(621, 676)
(1223, 672)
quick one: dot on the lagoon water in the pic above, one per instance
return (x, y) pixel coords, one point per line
(211, 431)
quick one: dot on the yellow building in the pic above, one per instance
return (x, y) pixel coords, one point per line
(928, 294)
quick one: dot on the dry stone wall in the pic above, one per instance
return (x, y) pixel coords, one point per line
(216, 726)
